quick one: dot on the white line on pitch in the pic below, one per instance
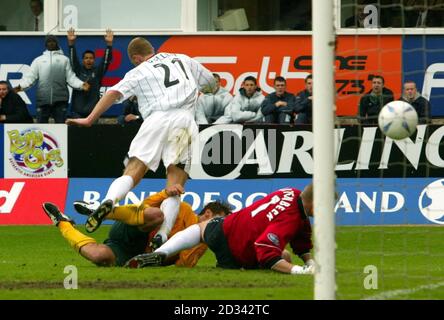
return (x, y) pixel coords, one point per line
(393, 293)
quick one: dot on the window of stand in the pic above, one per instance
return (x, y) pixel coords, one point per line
(392, 13)
(165, 15)
(21, 15)
(253, 15)
(214, 15)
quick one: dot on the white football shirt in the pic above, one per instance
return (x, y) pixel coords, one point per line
(165, 81)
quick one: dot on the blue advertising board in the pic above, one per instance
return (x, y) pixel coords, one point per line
(17, 54)
(423, 62)
(366, 201)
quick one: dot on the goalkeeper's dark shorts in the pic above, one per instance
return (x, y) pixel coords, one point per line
(126, 241)
(215, 238)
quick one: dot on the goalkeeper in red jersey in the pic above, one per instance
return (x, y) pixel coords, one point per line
(253, 237)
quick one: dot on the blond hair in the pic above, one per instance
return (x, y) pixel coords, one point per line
(307, 193)
(140, 46)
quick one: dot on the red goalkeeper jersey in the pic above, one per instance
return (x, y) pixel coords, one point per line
(257, 234)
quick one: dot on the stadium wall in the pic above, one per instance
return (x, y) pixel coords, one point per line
(269, 157)
(396, 57)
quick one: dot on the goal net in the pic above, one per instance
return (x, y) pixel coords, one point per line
(389, 214)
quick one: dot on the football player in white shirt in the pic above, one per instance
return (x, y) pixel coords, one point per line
(166, 86)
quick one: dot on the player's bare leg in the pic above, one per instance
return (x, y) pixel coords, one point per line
(133, 173)
(99, 254)
(102, 255)
(170, 206)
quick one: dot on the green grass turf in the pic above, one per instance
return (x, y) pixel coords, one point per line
(411, 259)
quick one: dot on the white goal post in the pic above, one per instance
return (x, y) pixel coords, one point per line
(323, 44)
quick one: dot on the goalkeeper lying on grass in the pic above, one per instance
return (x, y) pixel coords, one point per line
(134, 228)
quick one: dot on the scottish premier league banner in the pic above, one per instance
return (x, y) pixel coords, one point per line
(366, 201)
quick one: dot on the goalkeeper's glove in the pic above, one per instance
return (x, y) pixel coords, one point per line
(310, 262)
(302, 269)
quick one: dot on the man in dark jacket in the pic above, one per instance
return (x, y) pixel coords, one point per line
(421, 104)
(12, 107)
(303, 103)
(83, 102)
(279, 105)
(372, 102)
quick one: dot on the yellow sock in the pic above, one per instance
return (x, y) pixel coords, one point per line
(130, 214)
(75, 238)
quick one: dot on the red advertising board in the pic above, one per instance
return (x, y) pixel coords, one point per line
(21, 199)
(265, 57)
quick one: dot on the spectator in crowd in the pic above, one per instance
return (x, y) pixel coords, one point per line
(52, 71)
(36, 22)
(83, 102)
(246, 105)
(131, 113)
(12, 107)
(211, 106)
(372, 102)
(422, 105)
(279, 105)
(303, 103)
(357, 20)
(427, 14)
(413, 13)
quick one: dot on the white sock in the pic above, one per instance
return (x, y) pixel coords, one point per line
(182, 240)
(170, 209)
(119, 188)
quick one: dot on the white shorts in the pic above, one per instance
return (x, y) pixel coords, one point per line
(166, 135)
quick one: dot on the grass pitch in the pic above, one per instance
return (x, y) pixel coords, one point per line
(409, 263)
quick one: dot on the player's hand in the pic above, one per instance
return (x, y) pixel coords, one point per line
(17, 89)
(81, 122)
(310, 262)
(302, 270)
(109, 37)
(174, 190)
(71, 36)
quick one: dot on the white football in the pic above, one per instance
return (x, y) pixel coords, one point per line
(398, 120)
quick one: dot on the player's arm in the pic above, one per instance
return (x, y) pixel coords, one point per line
(104, 104)
(270, 245)
(302, 243)
(118, 93)
(204, 78)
